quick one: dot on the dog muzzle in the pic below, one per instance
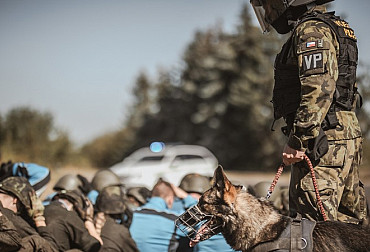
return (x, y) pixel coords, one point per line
(198, 226)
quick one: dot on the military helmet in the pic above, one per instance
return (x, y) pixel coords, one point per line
(141, 194)
(269, 12)
(68, 182)
(103, 178)
(110, 200)
(195, 183)
(19, 187)
(76, 197)
(260, 190)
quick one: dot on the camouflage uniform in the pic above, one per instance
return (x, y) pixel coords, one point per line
(315, 48)
(33, 238)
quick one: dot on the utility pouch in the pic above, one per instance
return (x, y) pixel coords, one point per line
(331, 120)
(317, 147)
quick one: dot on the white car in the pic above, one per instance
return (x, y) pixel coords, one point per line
(170, 162)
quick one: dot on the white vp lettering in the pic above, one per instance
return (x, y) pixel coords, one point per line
(312, 61)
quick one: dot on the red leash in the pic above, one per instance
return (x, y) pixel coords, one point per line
(280, 171)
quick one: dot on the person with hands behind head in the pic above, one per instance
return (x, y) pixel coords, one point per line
(153, 227)
(20, 204)
(110, 221)
(69, 217)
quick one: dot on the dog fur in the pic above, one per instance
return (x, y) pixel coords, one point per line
(248, 221)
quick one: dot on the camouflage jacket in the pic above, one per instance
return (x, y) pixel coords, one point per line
(314, 49)
(10, 240)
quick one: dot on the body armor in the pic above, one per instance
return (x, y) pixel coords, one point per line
(287, 90)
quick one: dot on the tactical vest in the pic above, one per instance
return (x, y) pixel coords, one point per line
(287, 89)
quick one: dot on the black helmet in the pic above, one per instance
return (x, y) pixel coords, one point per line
(195, 183)
(68, 182)
(19, 187)
(103, 178)
(110, 200)
(271, 12)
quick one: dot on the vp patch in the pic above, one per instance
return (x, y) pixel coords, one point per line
(312, 61)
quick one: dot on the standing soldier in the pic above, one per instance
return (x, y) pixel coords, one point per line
(316, 93)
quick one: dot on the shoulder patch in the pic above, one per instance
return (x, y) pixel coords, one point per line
(312, 56)
(313, 60)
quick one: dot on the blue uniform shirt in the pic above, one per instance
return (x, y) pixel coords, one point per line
(37, 175)
(153, 227)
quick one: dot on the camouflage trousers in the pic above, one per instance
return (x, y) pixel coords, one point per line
(337, 175)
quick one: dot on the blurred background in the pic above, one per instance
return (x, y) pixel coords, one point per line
(83, 84)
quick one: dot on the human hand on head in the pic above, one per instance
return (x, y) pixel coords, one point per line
(179, 193)
(86, 212)
(36, 210)
(99, 222)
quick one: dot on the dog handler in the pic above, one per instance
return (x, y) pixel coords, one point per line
(315, 92)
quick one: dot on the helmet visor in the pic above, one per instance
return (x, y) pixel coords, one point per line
(260, 13)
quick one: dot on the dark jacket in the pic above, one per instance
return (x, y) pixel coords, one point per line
(42, 238)
(116, 237)
(10, 240)
(69, 229)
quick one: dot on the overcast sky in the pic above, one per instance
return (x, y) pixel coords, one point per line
(79, 59)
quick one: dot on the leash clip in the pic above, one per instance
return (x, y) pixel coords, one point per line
(268, 194)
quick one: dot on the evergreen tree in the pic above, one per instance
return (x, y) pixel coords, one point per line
(222, 101)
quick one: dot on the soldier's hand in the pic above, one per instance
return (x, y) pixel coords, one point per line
(87, 211)
(36, 211)
(99, 222)
(292, 156)
(181, 194)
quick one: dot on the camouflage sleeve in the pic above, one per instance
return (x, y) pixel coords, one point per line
(316, 48)
(10, 240)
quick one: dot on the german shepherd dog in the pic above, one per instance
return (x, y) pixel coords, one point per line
(247, 222)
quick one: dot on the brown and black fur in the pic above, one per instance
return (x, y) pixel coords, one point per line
(248, 221)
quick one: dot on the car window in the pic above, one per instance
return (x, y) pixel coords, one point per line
(181, 160)
(151, 158)
(188, 157)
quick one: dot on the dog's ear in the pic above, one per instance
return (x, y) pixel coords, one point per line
(223, 185)
(219, 178)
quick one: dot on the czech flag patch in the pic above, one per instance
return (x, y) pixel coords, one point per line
(311, 44)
